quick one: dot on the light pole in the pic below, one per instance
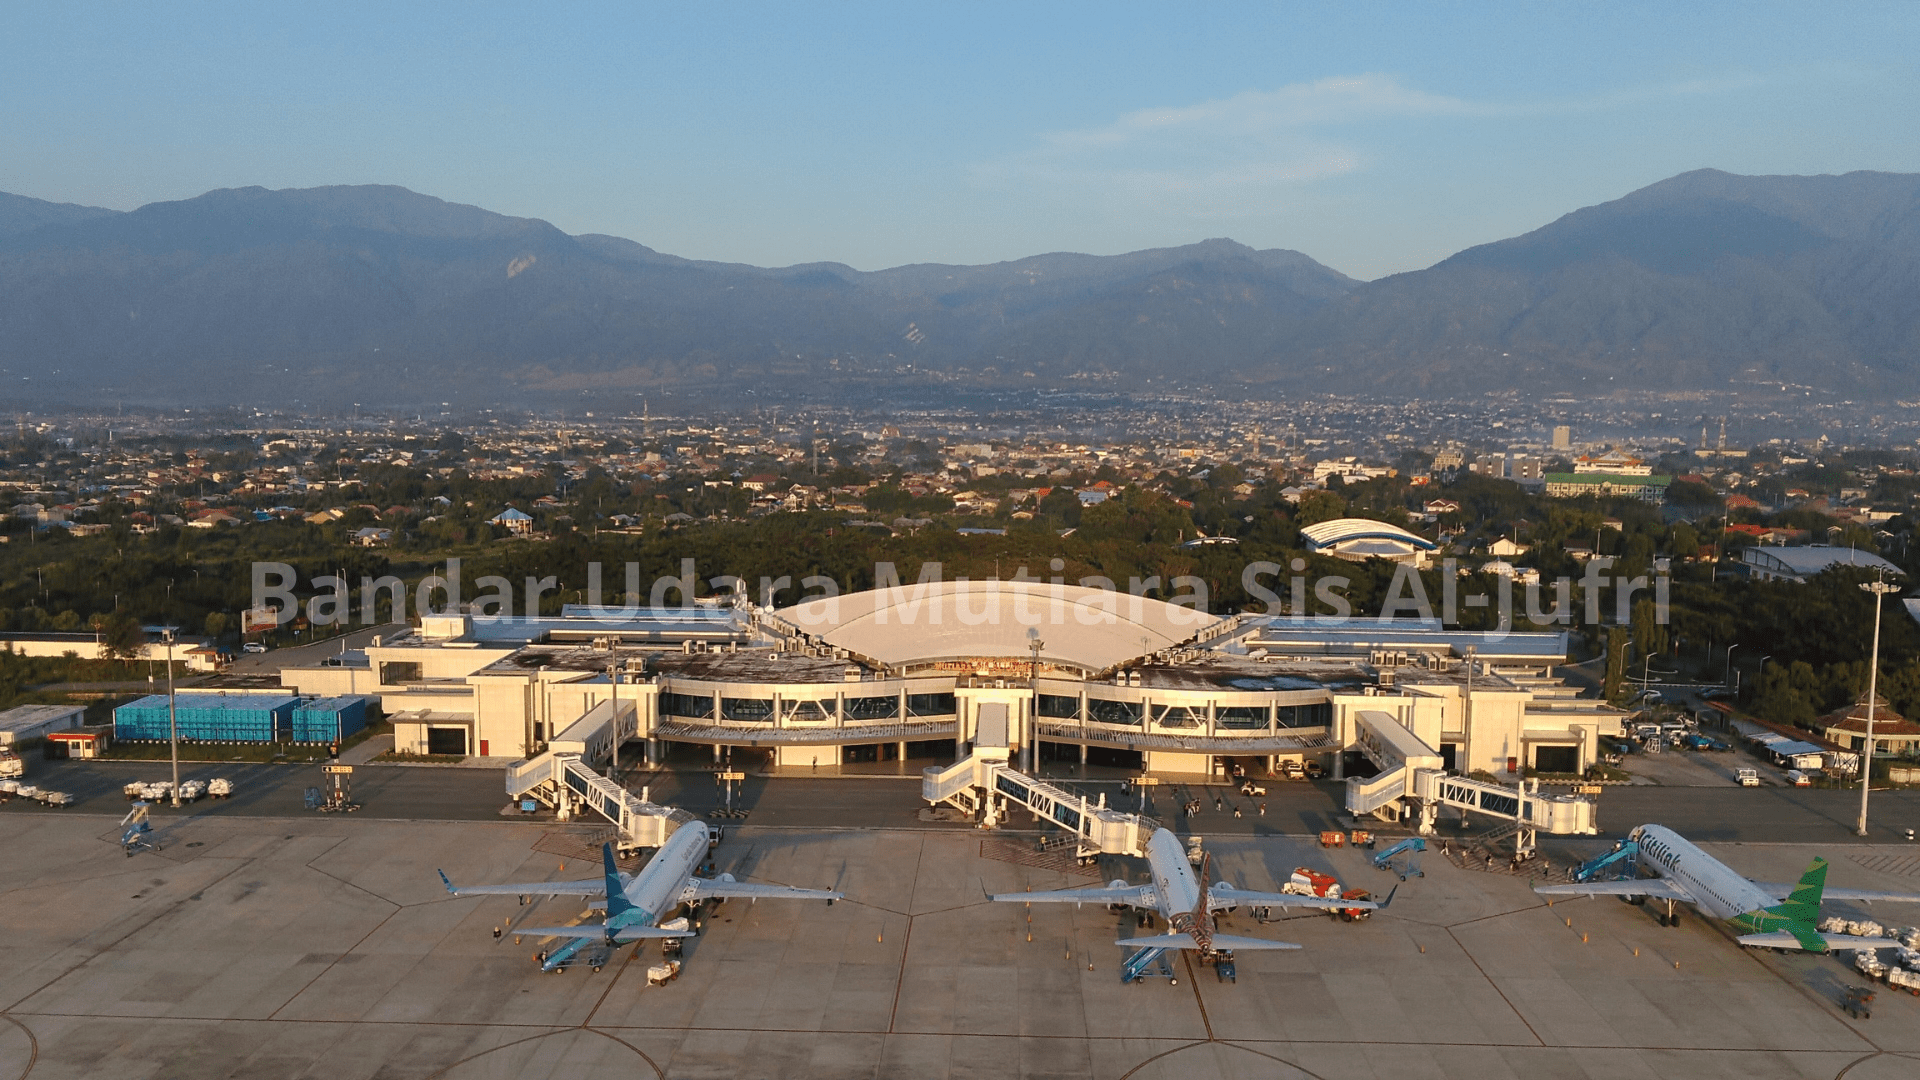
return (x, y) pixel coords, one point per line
(173, 722)
(1729, 676)
(1033, 704)
(613, 679)
(1878, 589)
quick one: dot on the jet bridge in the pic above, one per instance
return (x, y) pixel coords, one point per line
(983, 785)
(568, 784)
(1411, 774)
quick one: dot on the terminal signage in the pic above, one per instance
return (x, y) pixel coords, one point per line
(1587, 789)
(1146, 781)
(733, 776)
(337, 769)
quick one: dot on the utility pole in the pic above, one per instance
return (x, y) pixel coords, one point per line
(173, 723)
(1878, 589)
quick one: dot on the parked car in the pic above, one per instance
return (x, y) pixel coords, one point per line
(1719, 694)
(254, 647)
(1799, 779)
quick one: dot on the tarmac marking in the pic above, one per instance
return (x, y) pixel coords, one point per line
(1186, 959)
(1468, 953)
(606, 1028)
(1903, 865)
(111, 945)
(905, 945)
(33, 1045)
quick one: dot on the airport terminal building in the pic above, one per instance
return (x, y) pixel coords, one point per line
(907, 674)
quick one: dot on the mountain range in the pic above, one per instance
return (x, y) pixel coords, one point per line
(1703, 282)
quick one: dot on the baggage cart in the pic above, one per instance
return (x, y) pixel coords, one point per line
(663, 973)
(1332, 838)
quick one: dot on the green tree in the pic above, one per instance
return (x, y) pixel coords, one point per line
(121, 636)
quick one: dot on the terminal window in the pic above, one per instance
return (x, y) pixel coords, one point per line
(695, 706)
(931, 705)
(756, 710)
(1318, 714)
(873, 708)
(1243, 717)
(1128, 713)
(1059, 706)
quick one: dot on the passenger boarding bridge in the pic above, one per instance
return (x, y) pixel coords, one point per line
(983, 785)
(564, 779)
(1411, 777)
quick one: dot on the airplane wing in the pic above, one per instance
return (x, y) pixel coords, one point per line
(1659, 888)
(598, 932)
(1220, 941)
(1223, 895)
(1783, 939)
(724, 887)
(1780, 890)
(590, 887)
(1140, 896)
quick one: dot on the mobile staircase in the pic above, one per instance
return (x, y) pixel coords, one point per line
(1403, 858)
(568, 784)
(1148, 963)
(983, 785)
(1411, 775)
(1618, 864)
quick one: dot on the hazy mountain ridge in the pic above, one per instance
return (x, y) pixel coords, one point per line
(19, 214)
(379, 293)
(1702, 281)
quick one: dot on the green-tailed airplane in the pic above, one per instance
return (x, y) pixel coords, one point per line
(1769, 914)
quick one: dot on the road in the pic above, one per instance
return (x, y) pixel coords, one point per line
(1748, 815)
(268, 663)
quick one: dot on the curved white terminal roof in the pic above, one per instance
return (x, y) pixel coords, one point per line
(1349, 530)
(1087, 628)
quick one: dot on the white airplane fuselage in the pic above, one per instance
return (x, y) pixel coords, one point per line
(660, 884)
(655, 890)
(1718, 889)
(1176, 889)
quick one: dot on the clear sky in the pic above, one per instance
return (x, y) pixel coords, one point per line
(1374, 137)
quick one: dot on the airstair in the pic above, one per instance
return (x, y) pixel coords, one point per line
(1148, 963)
(568, 784)
(1616, 864)
(1411, 775)
(982, 784)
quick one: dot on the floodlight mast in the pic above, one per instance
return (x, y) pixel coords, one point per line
(1878, 589)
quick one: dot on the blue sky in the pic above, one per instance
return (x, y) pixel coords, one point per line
(1375, 137)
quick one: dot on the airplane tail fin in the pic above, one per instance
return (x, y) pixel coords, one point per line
(1803, 904)
(617, 901)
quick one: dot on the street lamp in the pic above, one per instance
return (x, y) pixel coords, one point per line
(1878, 589)
(173, 722)
(1033, 705)
(1729, 675)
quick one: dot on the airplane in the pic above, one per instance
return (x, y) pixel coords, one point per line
(1775, 915)
(635, 903)
(1186, 902)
